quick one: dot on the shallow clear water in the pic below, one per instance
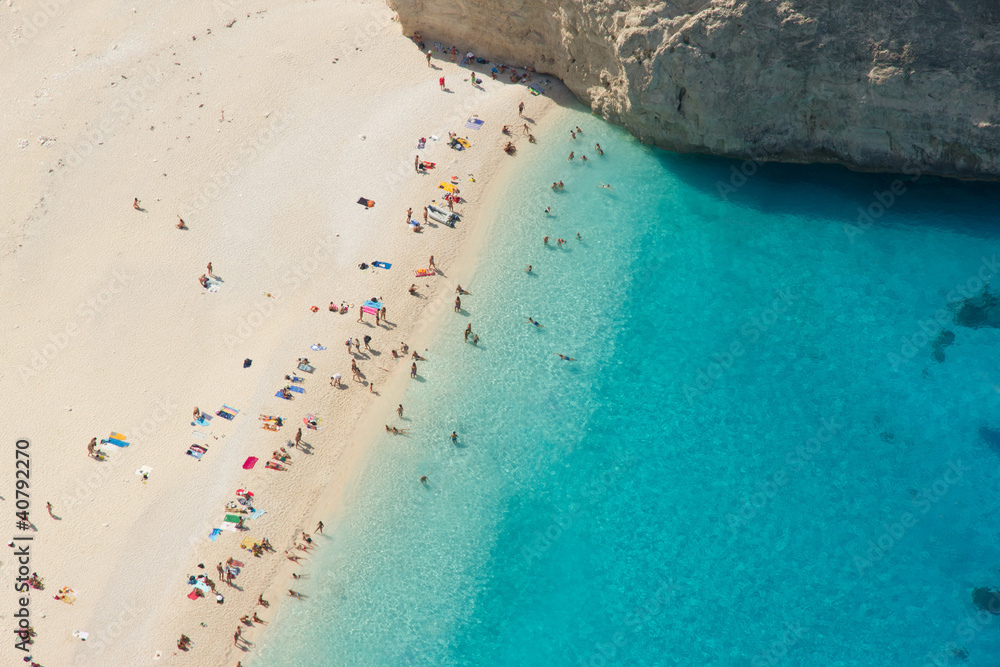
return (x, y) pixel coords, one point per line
(737, 471)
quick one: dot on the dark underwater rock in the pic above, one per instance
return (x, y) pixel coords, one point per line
(986, 599)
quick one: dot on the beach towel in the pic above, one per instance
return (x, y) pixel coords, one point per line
(199, 435)
(428, 165)
(312, 422)
(317, 347)
(475, 123)
(81, 635)
(114, 441)
(256, 514)
(228, 526)
(202, 420)
(194, 594)
(423, 273)
(297, 390)
(215, 533)
(279, 395)
(227, 412)
(371, 307)
(536, 89)
(144, 470)
(382, 265)
(421, 143)
(232, 518)
(367, 203)
(250, 463)
(196, 451)
(271, 426)
(463, 142)
(202, 586)
(306, 368)
(448, 187)
(249, 543)
(270, 418)
(117, 436)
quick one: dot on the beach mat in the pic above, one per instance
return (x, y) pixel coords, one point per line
(215, 534)
(475, 123)
(199, 435)
(280, 396)
(256, 513)
(306, 368)
(197, 451)
(232, 518)
(250, 463)
(296, 389)
(114, 441)
(382, 265)
(249, 543)
(228, 526)
(193, 595)
(367, 203)
(424, 273)
(449, 187)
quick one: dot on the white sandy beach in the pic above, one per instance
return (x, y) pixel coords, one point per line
(262, 134)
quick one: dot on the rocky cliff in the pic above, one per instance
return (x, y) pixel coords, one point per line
(878, 85)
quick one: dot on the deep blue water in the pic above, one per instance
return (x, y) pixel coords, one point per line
(759, 458)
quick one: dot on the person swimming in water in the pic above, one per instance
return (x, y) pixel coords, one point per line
(564, 357)
(605, 186)
(532, 321)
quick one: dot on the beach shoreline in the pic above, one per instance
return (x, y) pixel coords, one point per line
(169, 345)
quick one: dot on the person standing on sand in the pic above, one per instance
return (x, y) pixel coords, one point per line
(413, 370)
(298, 437)
(348, 344)
(335, 380)
(368, 339)
(520, 109)
(526, 129)
(416, 163)
(458, 304)
(135, 204)
(91, 447)
(441, 82)
(371, 387)
(319, 528)
(409, 215)
(210, 275)
(382, 313)
(48, 506)
(429, 53)
(399, 410)
(425, 215)
(452, 54)
(218, 568)
(430, 263)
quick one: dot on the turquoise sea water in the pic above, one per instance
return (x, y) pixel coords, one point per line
(759, 457)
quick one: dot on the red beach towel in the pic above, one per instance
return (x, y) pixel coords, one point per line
(193, 594)
(250, 462)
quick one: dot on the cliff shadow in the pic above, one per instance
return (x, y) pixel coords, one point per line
(835, 193)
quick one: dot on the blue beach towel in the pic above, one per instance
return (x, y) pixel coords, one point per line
(280, 396)
(114, 441)
(475, 123)
(297, 390)
(382, 265)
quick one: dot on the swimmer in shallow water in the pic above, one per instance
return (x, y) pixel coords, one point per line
(564, 357)
(605, 186)
(532, 321)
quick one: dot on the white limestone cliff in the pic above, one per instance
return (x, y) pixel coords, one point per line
(876, 85)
